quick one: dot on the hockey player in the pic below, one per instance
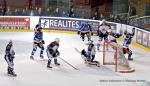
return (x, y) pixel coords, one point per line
(127, 42)
(52, 52)
(9, 57)
(36, 28)
(89, 55)
(112, 36)
(38, 42)
(85, 29)
(102, 32)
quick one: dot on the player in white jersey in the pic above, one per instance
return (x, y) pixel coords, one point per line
(112, 36)
(102, 32)
(9, 57)
(89, 55)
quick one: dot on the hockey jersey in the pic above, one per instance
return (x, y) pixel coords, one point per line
(38, 37)
(103, 29)
(128, 40)
(84, 28)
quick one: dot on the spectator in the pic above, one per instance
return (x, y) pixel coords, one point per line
(24, 12)
(47, 12)
(1, 10)
(96, 16)
(56, 12)
(36, 13)
(32, 13)
(64, 14)
(71, 12)
(27, 11)
(8, 12)
(39, 11)
(16, 13)
(19, 12)
(82, 14)
(111, 18)
(101, 16)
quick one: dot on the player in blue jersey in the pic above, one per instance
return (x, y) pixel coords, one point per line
(38, 42)
(127, 42)
(36, 28)
(85, 29)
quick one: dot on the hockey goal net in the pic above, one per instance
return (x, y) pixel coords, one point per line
(113, 55)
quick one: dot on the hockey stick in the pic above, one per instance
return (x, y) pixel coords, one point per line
(68, 63)
(77, 50)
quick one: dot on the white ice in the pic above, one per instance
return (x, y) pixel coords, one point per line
(35, 73)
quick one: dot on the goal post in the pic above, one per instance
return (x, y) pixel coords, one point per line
(107, 54)
(113, 55)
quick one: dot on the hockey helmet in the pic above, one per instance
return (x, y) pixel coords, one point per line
(10, 42)
(103, 21)
(57, 40)
(37, 26)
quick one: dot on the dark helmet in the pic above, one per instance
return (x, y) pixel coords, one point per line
(10, 42)
(37, 26)
(40, 28)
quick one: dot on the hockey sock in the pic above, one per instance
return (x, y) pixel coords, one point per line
(9, 70)
(42, 50)
(34, 50)
(98, 45)
(89, 38)
(93, 57)
(49, 62)
(129, 56)
(55, 61)
(82, 38)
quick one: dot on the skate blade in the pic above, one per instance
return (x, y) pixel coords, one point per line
(12, 75)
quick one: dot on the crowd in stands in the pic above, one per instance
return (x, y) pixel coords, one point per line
(57, 12)
(63, 12)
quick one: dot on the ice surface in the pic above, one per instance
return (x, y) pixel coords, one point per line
(35, 73)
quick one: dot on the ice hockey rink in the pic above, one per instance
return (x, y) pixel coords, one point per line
(34, 72)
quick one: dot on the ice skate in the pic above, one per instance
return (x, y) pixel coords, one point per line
(41, 56)
(31, 57)
(48, 66)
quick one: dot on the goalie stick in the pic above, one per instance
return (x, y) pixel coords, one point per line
(68, 63)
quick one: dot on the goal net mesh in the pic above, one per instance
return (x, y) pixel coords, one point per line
(113, 55)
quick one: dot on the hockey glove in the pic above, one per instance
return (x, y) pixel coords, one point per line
(43, 42)
(78, 32)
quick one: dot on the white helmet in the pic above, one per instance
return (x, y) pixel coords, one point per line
(57, 40)
(10, 41)
(103, 21)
